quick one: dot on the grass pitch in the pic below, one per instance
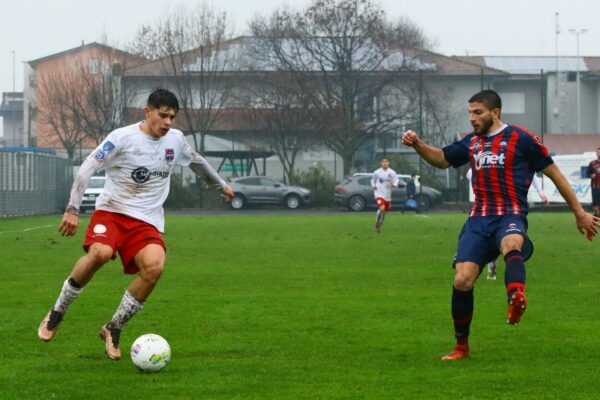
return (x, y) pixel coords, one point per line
(304, 307)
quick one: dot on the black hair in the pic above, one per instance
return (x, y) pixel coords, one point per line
(487, 97)
(162, 97)
(384, 158)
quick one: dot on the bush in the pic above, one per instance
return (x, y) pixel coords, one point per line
(183, 196)
(320, 182)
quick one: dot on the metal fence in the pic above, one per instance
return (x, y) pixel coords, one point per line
(33, 183)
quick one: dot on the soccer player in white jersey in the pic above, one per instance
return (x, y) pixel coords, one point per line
(129, 218)
(384, 180)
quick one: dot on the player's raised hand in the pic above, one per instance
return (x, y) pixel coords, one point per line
(410, 138)
(588, 224)
(69, 224)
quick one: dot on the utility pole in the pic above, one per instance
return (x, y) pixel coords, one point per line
(556, 33)
(14, 86)
(578, 32)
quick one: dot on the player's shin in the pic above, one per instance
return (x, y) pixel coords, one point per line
(462, 314)
(514, 277)
(128, 307)
(69, 292)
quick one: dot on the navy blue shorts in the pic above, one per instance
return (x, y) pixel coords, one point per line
(596, 197)
(479, 240)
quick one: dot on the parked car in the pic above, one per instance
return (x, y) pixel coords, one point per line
(252, 190)
(94, 189)
(356, 193)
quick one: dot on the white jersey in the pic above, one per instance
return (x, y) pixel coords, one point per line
(138, 169)
(383, 181)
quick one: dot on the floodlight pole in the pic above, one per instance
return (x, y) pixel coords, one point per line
(578, 32)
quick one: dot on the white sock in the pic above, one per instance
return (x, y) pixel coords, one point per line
(128, 308)
(67, 295)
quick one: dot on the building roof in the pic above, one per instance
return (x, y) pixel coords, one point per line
(74, 50)
(239, 56)
(533, 65)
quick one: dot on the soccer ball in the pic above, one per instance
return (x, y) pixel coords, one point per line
(150, 353)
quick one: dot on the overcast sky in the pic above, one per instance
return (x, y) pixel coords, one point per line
(34, 29)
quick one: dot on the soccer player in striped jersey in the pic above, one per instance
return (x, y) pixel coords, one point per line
(593, 171)
(503, 159)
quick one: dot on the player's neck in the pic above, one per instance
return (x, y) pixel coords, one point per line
(145, 129)
(495, 128)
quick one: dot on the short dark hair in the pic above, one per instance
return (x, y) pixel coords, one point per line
(162, 97)
(384, 158)
(489, 98)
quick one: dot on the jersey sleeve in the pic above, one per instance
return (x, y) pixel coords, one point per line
(395, 179)
(536, 153)
(457, 153)
(188, 157)
(537, 184)
(103, 155)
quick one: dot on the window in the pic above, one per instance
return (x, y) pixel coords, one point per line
(93, 66)
(365, 181)
(249, 181)
(267, 182)
(513, 103)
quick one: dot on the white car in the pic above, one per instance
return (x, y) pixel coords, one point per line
(94, 189)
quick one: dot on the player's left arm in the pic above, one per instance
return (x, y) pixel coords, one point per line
(201, 167)
(586, 223)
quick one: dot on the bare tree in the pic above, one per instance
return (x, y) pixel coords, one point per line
(102, 101)
(343, 54)
(191, 46)
(282, 116)
(58, 108)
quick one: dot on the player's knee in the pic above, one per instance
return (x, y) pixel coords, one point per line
(100, 255)
(152, 271)
(463, 282)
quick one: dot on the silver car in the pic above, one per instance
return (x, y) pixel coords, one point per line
(356, 193)
(94, 189)
(251, 190)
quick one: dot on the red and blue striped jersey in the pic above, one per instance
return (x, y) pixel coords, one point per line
(594, 168)
(503, 165)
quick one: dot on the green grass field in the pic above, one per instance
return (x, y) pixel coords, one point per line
(304, 306)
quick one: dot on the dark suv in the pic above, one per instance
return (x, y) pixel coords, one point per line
(262, 190)
(356, 193)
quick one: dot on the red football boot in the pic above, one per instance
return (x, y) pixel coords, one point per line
(459, 351)
(516, 307)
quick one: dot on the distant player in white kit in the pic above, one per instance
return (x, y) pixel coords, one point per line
(384, 180)
(129, 218)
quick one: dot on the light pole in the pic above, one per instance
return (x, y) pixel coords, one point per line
(578, 32)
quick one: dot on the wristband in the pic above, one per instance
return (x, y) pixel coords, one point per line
(72, 210)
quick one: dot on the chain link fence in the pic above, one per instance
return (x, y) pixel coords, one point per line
(32, 183)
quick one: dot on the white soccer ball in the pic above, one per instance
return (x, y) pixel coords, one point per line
(150, 352)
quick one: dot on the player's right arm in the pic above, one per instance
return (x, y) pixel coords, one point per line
(432, 154)
(97, 161)
(586, 223)
(70, 220)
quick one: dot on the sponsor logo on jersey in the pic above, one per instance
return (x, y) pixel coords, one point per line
(100, 155)
(142, 174)
(487, 159)
(169, 155)
(108, 146)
